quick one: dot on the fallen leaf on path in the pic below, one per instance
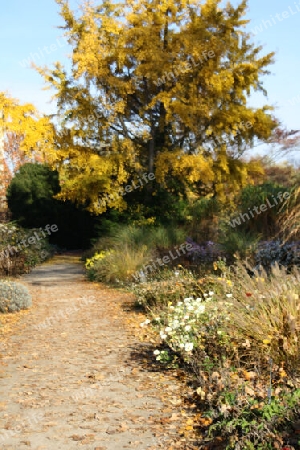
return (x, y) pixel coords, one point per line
(76, 437)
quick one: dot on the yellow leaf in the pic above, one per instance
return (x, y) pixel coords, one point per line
(201, 393)
(282, 373)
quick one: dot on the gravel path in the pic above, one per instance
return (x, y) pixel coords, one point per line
(68, 375)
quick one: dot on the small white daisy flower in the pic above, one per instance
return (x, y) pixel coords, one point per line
(188, 347)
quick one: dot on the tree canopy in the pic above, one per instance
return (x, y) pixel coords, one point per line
(34, 130)
(25, 136)
(158, 87)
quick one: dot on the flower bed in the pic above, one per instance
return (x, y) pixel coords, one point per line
(240, 343)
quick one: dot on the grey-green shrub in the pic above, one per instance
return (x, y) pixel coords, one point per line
(13, 297)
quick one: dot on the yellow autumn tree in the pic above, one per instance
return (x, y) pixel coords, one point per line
(25, 136)
(156, 86)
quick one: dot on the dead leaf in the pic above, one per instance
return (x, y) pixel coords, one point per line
(249, 375)
(76, 437)
(249, 391)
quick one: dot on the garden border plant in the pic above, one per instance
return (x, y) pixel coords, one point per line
(13, 297)
(14, 261)
(240, 346)
(31, 241)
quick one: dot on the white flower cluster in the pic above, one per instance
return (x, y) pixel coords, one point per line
(188, 324)
(181, 324)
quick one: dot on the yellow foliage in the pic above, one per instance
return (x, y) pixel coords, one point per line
(127, 89)
(24, 120)
(191, 168)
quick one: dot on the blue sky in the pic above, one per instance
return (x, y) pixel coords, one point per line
(30, 28)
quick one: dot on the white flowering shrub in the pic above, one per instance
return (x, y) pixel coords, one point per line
(190, 325)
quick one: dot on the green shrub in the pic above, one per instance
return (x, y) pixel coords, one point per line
(13, 297)
(32, 201)
(238, 242)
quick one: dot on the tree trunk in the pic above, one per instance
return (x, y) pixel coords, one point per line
(3, 203)
(151, 156)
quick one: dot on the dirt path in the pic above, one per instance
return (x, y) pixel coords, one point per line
(68, 375)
